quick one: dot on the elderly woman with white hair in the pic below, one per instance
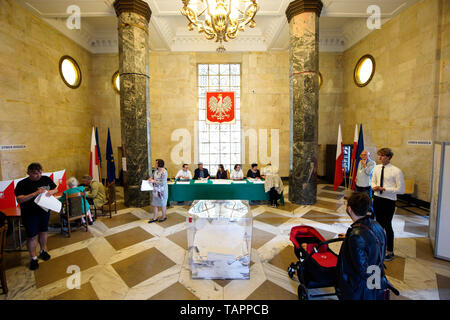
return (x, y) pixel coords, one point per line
(72, 183)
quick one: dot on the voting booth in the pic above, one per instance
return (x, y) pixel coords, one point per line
(219, 239)
(439, 228)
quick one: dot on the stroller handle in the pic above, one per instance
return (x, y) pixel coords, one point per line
(316, 249)
(329, 241)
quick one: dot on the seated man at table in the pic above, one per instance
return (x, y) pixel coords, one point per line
(96, 194)
(236, 173)
(184, 174)
(254, 172)
(34, 218)
(201, 172)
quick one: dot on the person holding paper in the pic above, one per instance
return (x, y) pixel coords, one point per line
(184, 174)
(72, 183)
(237, 173)
(34, 218)
(160, 191)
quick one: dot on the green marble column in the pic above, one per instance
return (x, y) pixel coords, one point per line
(133, 18)
(303, 17)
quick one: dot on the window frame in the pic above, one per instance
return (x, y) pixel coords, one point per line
(228, 128)
(113, 81)
(77, 71)
(358, 68)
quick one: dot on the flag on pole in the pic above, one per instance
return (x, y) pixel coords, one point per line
(338, 172)
(358, 151)
(93, 164)
(98, 153)
(353, 162)
(110, 165)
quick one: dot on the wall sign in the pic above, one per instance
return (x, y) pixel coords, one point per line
(419, 142)
(12, 147)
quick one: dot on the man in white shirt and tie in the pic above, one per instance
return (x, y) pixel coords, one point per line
(184, 174)
(387, 182)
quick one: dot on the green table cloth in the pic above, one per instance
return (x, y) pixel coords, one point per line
(211, 191)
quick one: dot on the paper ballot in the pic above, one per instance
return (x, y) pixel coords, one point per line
(146, 186)
(48, 203)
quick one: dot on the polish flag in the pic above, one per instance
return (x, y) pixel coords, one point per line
(93, 164)
(7, 196)
(338, 172)
(353, 162)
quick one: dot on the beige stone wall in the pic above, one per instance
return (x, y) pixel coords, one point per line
(174, 103)
(105, 105)
(331, 103)
(36, 108)
(398, 105)
(443, 122)
(173, 100)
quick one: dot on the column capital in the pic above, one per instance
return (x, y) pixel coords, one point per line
(136, 6)
(299, 6)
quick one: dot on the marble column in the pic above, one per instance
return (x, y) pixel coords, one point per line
(133, 19)
(303, 18)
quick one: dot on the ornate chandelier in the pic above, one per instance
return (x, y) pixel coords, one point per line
(220, 19)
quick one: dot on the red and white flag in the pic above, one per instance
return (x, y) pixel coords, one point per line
(93, 164)
(353, 162)
(338, 172)
(7, 196)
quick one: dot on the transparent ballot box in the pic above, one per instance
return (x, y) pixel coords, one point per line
(219, 239)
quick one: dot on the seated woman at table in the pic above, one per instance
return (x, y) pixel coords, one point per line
(236, 173)
(254, 172)
(221, 173)
(72, 183)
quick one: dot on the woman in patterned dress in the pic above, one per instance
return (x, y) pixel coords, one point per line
(160, 191)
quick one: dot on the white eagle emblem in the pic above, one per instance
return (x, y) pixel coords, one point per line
(220, 107)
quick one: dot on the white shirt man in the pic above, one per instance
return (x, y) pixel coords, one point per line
(387, 182)
(393, 181)
(184, 174)
(237, 173)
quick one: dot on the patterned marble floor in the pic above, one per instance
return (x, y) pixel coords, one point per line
(127, 258)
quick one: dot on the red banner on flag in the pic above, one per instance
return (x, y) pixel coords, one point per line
(220, 107)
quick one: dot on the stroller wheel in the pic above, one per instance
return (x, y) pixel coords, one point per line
(291, 270)
(302, 293)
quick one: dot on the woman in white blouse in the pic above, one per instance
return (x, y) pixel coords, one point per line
(237, 173)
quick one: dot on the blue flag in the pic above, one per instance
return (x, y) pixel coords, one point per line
(98, 147)
(360, 147)
(110, 165)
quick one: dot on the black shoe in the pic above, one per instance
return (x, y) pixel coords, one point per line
(389, 257)
(44, 255)
(90, 223)
(34, 264)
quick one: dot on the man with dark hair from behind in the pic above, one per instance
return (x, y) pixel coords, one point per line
(360, 263)
(34, 218)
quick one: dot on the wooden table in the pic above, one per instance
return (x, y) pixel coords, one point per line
(15, 214)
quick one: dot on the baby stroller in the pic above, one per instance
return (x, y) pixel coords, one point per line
(316, 267)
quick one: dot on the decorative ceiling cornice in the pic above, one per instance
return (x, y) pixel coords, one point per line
(299, 6)
(136, 6)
